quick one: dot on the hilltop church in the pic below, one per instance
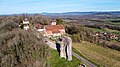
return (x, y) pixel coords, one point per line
(47, 30)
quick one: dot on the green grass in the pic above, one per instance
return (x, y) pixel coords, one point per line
(109, 19)
(105, 30)
(56, 61)
(110, 30)
(104, 56)
(97, 30)
(115, 23)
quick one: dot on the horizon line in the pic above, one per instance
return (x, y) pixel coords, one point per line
(57, 12)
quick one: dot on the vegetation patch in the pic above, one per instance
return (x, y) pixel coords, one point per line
(56, 61)
(105, 30)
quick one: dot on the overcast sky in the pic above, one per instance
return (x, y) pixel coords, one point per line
(57, 6)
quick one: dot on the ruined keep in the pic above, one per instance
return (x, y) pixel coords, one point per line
(66, 48)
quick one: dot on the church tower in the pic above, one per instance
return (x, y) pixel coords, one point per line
(53, 23)
(26, 24)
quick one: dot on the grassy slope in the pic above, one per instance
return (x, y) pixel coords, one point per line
(105, 30)
(97, 30)
(110, 30)
(56, 61)
(105, 57)
(117, 23)
(80, 54)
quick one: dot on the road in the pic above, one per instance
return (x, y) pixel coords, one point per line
(83, 60)
(53, 45)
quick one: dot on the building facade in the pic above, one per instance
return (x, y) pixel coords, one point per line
(26, 24)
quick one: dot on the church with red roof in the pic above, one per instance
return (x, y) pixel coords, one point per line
(51, 30)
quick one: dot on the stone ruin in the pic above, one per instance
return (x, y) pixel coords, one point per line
(66, 48)
(63, 46)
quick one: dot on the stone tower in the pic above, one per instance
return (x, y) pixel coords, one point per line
(26, 24)
(53, 23)
(66, 48)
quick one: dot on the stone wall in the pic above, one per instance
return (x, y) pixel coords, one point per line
(64, 47)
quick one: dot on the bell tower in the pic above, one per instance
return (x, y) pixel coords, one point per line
(26, 24)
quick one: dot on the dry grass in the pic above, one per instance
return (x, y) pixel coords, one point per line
(103, 56)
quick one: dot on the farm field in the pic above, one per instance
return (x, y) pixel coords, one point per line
(103, 56)
(117, 23)
(105, 30)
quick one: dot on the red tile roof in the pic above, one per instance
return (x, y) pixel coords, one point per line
(39, 26)
(56, 31)
(49, 32)
(54, 28)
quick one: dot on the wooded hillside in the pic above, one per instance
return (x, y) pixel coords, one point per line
(19, 48)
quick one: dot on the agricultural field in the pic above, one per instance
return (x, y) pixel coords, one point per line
(56, 61)
(117, 23)
(113, 21)
(105, 30)
(105, 57)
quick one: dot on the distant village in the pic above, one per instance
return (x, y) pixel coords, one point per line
(106, 36)
(107, 40)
